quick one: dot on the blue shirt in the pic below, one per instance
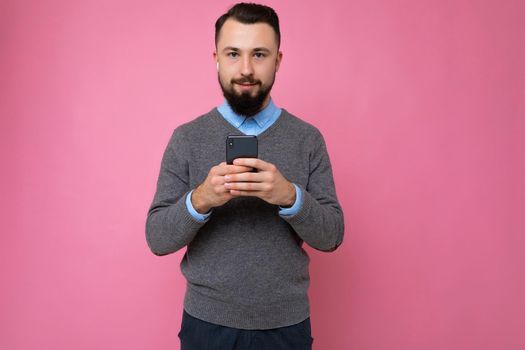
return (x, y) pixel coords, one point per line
(250, 126)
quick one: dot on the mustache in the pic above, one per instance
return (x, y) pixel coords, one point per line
(246, 80)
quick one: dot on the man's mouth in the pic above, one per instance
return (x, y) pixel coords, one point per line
(246, 86)
(246, 82)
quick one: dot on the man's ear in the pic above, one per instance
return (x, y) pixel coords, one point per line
(216, 59)
(278, 60)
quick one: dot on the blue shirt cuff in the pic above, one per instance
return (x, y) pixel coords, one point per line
(294, 209)
(193, 212)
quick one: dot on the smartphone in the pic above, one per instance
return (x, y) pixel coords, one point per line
(241, 146)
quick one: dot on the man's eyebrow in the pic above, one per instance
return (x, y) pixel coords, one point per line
(230, 48)
(257, 49)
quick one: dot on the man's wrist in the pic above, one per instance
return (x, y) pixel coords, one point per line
(198, 203)
(198, 216)
(293, 197)
(294, 209)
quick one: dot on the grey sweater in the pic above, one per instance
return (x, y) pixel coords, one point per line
(245, 266)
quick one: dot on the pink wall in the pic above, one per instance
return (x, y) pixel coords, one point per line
(421, 104)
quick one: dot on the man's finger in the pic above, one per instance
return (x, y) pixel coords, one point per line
(238, 193)
(224, 169)
(245, 186)
(247, 176)
(252, 162)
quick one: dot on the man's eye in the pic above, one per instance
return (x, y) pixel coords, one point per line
(260, 55)
(233, 54)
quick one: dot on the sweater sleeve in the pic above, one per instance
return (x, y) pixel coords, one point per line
(320, 220)
(169, 224)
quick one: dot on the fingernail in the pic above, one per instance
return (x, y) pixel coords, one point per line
(227, 177)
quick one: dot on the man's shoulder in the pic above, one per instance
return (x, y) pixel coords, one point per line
(200, 120)
(198, 124)
(301, 126)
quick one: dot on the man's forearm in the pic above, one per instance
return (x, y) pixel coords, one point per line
(321, 226)
(170, 227)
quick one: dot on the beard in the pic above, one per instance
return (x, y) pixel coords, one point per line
(243, 103)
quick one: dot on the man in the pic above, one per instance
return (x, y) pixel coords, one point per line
(246, 271)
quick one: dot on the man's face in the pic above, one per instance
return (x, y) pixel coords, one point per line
(248, 58)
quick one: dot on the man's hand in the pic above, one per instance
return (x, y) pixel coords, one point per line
(212, 192)
(268, 184)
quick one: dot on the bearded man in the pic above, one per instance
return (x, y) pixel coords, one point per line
(246, 269)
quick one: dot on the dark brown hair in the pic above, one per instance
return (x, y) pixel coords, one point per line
(249, 13)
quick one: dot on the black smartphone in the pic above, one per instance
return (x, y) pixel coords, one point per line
(241, 146)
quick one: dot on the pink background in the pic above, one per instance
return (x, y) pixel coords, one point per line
(421, 104)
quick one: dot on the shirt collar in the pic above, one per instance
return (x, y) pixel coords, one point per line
(237, 120)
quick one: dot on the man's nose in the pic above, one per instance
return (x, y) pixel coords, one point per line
(247, 68)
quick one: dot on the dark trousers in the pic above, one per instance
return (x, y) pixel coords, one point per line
(196, 334)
